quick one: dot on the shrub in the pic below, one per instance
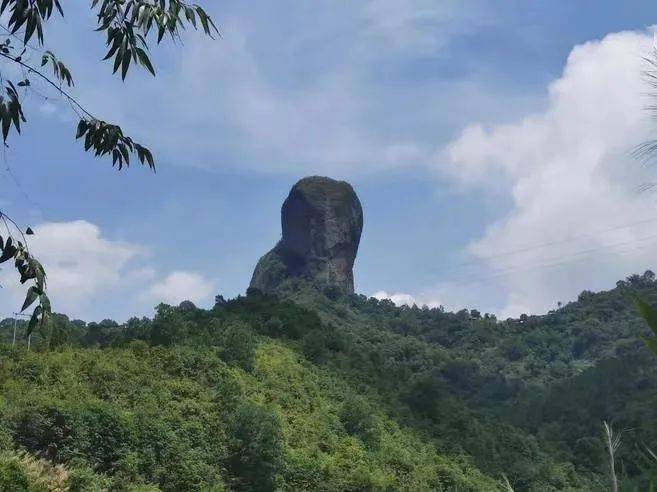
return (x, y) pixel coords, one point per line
(13, 476)
(84, 479)
(318, 343)
(314, 346)
(424, 392)
(273, 327)
(359, 420)
(138, 347)
(257, 454)
(45, 431)
(238, 343)
(22, 472)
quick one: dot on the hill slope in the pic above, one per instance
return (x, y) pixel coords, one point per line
(323, 391)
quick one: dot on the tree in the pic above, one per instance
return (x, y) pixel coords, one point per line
(359, 420)
(257, 447)
(127, 25)
(239, 344)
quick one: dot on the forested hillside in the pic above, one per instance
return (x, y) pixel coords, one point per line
(318, 390)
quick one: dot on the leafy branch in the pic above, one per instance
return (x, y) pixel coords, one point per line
(30, 269)
(127, 25)
(647, 150)
(650, 317)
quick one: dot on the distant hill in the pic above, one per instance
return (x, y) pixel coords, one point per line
(317, 389)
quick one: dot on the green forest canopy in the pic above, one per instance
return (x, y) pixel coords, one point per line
(333, 392)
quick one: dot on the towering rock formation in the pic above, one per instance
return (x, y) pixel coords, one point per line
(322, 220)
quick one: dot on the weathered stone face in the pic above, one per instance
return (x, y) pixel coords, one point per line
(322, 221)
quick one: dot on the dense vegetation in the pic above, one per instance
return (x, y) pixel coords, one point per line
(316, 390)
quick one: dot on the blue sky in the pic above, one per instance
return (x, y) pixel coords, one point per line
(468, 129)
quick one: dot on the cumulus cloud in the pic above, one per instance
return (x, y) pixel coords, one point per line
(181, 286)
(577, 219)
(401, 299)
(81, 265)
(93, 277)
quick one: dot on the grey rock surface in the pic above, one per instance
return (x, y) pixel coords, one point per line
(322, 220)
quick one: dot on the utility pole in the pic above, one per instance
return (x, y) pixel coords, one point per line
(13, 342)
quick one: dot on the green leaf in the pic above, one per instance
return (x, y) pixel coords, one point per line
(126, 63)
(83, 126)
(39, 273)
(33, 321)
(144, 60)
(45, 302)
(647, 313)
(32, 295)
(8, 252)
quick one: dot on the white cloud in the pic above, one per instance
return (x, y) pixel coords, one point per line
(80, 263)
(570, 175)
(312, 101)
(93, 277)
(416, 26)
(181, 286)
(317, 127)
(47, 108)
(401, 299)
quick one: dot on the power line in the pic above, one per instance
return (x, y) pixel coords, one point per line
(547, 244)
(569, 260)
(598, 248)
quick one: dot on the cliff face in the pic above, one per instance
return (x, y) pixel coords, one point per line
(322, 220)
